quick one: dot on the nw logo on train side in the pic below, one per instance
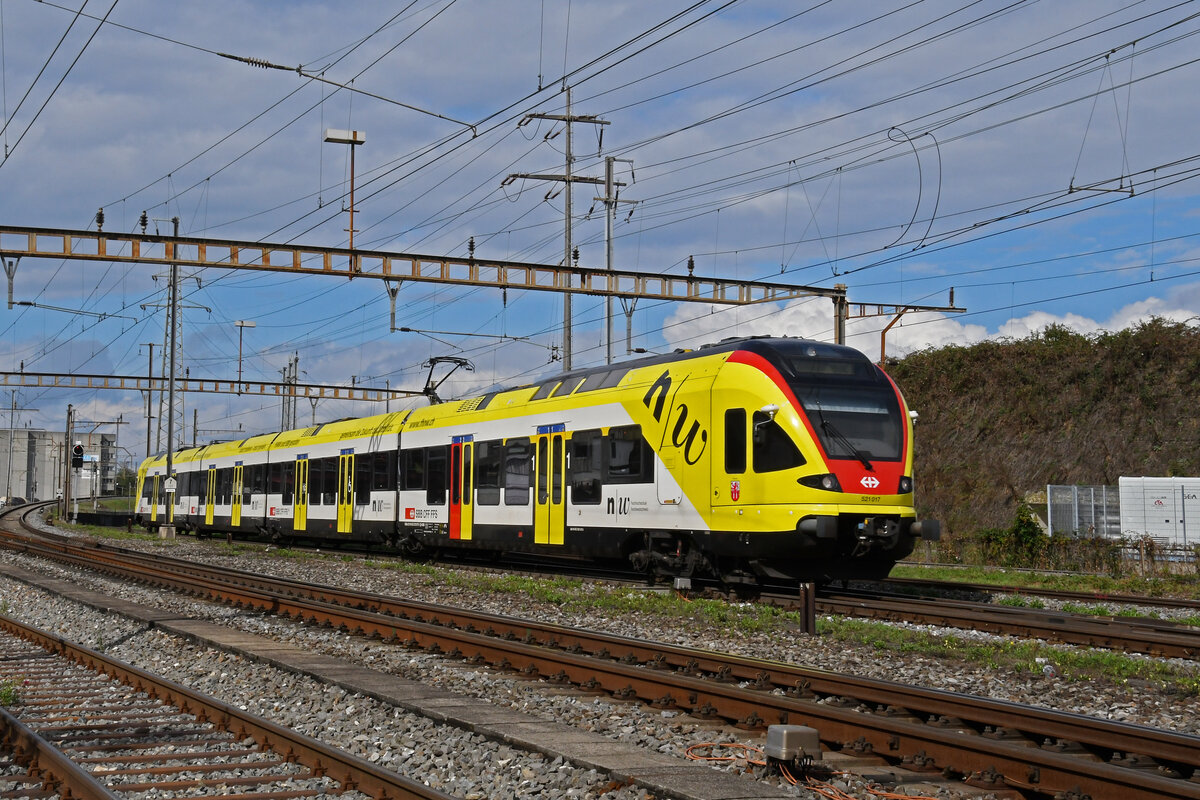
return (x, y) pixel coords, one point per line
(693, 443)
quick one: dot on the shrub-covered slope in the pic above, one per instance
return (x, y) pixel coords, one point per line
(999, 420)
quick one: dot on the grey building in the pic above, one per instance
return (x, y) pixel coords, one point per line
(32, 463)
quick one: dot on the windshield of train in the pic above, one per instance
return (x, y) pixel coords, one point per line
(854, 412)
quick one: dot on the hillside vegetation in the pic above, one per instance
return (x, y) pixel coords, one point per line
(1001, 419)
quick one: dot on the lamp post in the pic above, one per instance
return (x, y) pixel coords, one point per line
(352, 138)
(242, 324)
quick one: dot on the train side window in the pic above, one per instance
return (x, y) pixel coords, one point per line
(202, 489)
(364, 465)
(518, 462)
(774, 450)
(735, 441)
(593, 381)
(329, 480)
(488, 463)
(613, 378)
(587, 466)
(630, 459)
(543, 455)
(436, 476)
(316, 467)
(545, 390)
(566, 387)
(275, 479)
(556, 469)
(467, 489)
(413, 469)
(288, 487)
(225, 486)
(456, 470)
(147, 486)
(383, 472)
(250, 483)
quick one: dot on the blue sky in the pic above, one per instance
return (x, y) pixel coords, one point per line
(1038, 157)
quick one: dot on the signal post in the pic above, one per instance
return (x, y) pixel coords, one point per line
(76, 467)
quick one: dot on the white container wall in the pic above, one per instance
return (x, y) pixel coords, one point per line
(1166, 509)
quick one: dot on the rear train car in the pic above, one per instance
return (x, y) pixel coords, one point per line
(745, 461)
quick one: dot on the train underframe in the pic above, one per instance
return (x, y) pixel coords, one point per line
(820, 549)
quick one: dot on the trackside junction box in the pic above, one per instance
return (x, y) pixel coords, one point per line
(1161, 508)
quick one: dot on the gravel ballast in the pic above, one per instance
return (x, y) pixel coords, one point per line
(471, 766)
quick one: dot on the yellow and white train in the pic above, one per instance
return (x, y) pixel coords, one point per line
(747, 460)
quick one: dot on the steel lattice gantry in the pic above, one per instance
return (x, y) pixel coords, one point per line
(22, 242)
(132, 383)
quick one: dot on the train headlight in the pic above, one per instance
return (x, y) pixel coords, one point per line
(905, 484)
(827, 482)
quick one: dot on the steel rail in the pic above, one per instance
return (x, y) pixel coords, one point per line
(963, 734)
(47, 764)
(348, 770)
(1035, 591)
(1168, 640)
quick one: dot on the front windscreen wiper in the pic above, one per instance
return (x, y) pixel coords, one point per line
(842, 439)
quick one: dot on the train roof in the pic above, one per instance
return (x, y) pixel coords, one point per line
(348, 427)
(781, 352)
(777, 350)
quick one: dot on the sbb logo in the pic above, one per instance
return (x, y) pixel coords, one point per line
(871, 482)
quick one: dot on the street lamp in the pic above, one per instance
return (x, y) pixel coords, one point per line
(242, 324)
(352, 138)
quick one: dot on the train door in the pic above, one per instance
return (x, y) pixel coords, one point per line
(300, 515)
(550, 512)
(345, 497)
(210, 495)
(462, 468)
(154, 500)
(235, 513)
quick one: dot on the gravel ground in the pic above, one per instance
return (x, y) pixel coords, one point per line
(1133, 702)
(465, 764)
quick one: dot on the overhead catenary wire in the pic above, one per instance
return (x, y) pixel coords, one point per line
(446, 222)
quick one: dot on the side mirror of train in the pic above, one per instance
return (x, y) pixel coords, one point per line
(770, 410)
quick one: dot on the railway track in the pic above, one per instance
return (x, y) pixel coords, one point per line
(931, 589)
(87, 726)
(1162, 638)
(991, 743)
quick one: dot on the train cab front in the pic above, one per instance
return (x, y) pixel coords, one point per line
(858, 417)
(838, 450)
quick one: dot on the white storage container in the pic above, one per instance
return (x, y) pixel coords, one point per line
(1167, 509)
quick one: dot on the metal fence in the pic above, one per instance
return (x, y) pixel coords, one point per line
(1083, 510)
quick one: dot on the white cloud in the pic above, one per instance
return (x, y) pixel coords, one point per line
(692, 326)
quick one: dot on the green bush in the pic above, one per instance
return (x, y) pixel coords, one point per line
(1025, 544)
(1021, 544)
